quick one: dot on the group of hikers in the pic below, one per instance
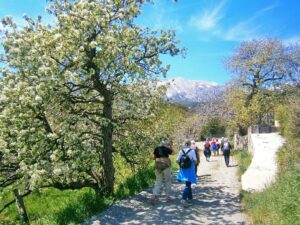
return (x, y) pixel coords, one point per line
(188, 159)
(215, 146)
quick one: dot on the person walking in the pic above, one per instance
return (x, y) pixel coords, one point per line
(162, 170)
(206, 150)
(196, 149)
(187, 171)
(218, 146)
(226, 151)
(213, 146)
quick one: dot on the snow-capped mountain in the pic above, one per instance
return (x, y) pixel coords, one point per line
(186, 91)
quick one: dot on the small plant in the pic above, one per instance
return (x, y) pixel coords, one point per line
(244, 159)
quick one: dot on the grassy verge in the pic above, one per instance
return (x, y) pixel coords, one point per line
(52, 207)
(280, 203)
(244, 159)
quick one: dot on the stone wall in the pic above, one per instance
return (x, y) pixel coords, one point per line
(240, 142)
(245, 142)
(257, 129)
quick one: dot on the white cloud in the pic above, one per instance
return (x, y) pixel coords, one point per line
(162, 16)
(242, 31)
(247, 30)
(267, 8)
(209, 22)
(209, 18)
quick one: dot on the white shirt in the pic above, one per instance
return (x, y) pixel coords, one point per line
(191, 154)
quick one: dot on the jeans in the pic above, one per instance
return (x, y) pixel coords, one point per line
(187, 193)
(207, 153)
(226, 154)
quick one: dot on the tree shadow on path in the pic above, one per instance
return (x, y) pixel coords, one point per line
(211, 205)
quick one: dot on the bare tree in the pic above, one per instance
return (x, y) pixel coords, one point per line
(264, 64)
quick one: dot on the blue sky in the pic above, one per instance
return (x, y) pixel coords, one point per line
(209, 29)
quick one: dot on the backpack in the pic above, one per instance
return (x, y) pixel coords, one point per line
(185, 161)
(226, 146)
(207, 145)
(162, 163)
(214, 147)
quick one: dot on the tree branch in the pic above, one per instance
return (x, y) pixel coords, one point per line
(13, 201)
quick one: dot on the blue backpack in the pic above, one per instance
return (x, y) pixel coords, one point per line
(214, 147)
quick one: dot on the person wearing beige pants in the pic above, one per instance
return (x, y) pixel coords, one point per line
(162, 170)
(162, 177)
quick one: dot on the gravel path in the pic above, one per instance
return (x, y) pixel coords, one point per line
(216, 201)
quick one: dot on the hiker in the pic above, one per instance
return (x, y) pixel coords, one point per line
(206, 150)
(162, 170)
(196, 149)
(187, 171)
(218, 146)
(213, 146)
(226, 151)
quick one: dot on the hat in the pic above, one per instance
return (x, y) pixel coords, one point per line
(193, 142)
(165, 141)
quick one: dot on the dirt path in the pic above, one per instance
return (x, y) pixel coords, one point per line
(215, 201)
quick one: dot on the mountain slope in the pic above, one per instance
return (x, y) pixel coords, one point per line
(181, 90)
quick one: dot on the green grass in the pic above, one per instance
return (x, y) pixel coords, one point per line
(279, 204)
(135, 183)
(52, 206)
(244, 159)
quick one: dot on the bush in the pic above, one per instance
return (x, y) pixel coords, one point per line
(214, 127)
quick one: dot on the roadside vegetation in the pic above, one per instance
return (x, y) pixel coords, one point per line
(280, 203)
(244, 159)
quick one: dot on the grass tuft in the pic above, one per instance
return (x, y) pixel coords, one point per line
(244, 159)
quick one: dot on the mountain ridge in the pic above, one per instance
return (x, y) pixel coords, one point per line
(186, 91)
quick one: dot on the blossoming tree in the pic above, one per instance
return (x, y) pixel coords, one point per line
(66, 87)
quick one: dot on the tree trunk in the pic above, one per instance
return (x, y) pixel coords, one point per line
(259, 119)
(240, 130)
(21, 208)
(107, 129)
